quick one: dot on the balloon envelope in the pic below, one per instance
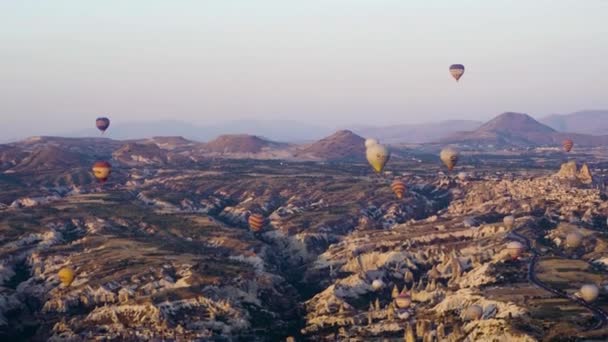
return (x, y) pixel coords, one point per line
(102, 170)
(398, 188)
(574, 239)
(449, 157)
(589, 292)
(457, 70)
(473, 312)
(66, 276)
(509, 221)
(403, 301)
(371, 142)
(102, 124)
(256, 222)
(377, 284)
(568, 144)
(515, 249)
(377, 156)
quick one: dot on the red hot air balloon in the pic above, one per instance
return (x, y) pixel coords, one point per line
(568, 144)
(102, 170)
(102, 124)
(398, 188)
(256, 222)
(457, 70)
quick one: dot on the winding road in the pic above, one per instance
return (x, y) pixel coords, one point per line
(600, 315)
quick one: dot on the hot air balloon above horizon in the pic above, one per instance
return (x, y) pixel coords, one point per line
(102, 170)
(256, 222)
(102, 124)
(449, 157)
(567, 144)
(398, 187)
(377, 156)
(509, 221)
(369, 142)
(457, 70)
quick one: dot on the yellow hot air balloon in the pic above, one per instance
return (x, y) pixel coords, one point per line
(66, 276)
(589, 292)
(574, 239)
(102, 170)
(515, 249)
(398, 188)
(456, 70)
(509, 221)
(371, 142)
(377, 156)
(473, 313)
(449, 157)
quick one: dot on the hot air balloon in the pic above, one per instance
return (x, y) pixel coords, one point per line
(403, 301)
(66, 276)
(457, 70)
(509, 221)
(574, 239)
(398, 188)
(449, 157)
(589, 292)
(473, 313)
(371, 142)
(567, 144)
(256, 222)
(515, 249)
(377, 284)
(377, 156)
(102, 124)
(102, 170)
(462, 176)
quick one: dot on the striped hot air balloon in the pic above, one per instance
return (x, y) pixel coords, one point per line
(102, 170)
(102, 124)
(398, 188)
(457, 70)
(568, 144)
(256, 222)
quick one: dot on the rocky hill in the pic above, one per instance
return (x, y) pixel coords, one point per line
(519, 130)
(342, 145)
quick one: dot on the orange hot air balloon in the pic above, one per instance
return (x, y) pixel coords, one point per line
(398, 188)
(102, 124)
(102, 170)
(457, 70)
(256, 222)
(568, 144)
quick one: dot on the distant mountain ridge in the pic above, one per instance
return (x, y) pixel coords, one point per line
(594, 122)
(519, 130)
(418, 133)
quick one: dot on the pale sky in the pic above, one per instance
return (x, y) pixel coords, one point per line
(330, 62)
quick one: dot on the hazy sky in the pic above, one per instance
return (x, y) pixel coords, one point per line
(333, 62)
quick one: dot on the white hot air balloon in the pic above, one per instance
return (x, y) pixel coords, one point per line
(377, 284)
(473, 313)
(589, 292)
(574, 239)
(515, 249)
(369, 142)
(509, 221)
